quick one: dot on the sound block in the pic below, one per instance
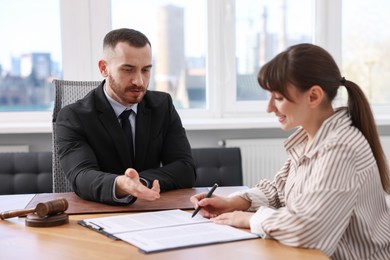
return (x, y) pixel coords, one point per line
(33, 220)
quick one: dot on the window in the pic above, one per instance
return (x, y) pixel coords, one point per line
(30, 54)
(177, 31)
(365, 51)
(206, 52)
(263, 29)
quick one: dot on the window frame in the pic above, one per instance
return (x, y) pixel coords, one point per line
(85, 22)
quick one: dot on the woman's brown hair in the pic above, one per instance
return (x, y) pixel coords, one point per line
(306, 65)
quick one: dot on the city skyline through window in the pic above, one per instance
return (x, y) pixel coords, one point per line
(31, 54)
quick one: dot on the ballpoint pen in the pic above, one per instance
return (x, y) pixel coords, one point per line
(207, 196)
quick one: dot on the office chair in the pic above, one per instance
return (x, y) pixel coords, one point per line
(66, 92)
(221, 165)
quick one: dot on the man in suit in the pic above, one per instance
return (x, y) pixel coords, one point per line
(105, 163)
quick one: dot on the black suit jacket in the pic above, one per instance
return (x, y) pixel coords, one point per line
(93, 151)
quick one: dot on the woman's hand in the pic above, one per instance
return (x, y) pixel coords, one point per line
(211, 207)
(239, 219)
(216, 205)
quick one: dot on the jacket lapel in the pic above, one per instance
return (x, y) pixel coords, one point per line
(111, 124)
(142, 133)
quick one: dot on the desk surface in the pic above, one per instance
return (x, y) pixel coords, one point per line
(72, 241)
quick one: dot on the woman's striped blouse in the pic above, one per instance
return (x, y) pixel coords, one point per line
(329, 198)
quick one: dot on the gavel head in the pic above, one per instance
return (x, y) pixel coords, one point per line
(52, 207)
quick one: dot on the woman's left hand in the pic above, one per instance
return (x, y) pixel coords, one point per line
(239, 219)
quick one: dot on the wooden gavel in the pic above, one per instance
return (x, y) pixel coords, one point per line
(43, 209)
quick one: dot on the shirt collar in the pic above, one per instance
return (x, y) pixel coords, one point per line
(295, 144)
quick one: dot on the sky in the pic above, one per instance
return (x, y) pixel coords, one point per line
(39, 31)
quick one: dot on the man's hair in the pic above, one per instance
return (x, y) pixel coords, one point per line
(132, 37)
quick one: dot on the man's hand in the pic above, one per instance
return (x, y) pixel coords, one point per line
(130, 184)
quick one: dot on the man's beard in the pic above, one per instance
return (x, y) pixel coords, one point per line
(121, 92)
(112, 83)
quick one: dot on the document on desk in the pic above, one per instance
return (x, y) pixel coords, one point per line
(165, 230)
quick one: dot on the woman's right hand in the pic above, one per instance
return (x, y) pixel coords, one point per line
(211, 207)
(216, 205)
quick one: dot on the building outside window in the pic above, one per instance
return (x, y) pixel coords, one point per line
(177, 31)
(263, 29)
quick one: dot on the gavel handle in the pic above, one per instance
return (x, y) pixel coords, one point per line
(15, 213)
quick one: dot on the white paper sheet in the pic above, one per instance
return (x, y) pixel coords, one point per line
(163, 230)
(148, 220)
(183, 236)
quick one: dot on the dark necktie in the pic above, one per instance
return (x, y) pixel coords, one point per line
(126, 126)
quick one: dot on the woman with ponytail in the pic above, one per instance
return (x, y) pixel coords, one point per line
(330, 194)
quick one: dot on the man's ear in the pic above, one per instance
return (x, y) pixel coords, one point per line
(316, 95)
(103, 68)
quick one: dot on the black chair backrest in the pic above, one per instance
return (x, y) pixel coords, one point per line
(221, 165)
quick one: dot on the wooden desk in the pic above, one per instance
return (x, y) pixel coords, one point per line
(72, 241)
